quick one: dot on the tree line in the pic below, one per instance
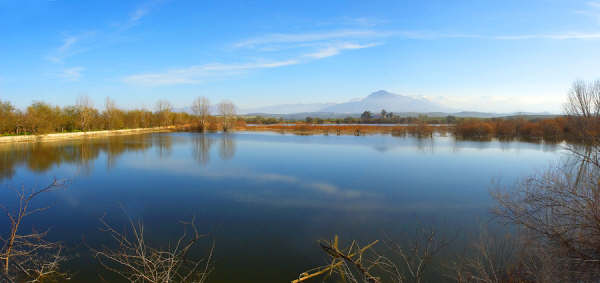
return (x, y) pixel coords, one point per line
(42, 117)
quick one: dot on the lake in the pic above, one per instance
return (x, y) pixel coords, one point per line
(265, 199)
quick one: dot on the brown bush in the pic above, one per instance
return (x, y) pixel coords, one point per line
(474, 129)
(531, 130)
(506, 128)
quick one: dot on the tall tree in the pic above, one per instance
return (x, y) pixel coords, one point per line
(112, 115)
(163, 111)
(583, 107)
(85, 108)
(366, 116)
(201, 108)
(7, 117)
(227, 111)
(42, 118)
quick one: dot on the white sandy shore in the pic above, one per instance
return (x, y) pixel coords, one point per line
(65, 136)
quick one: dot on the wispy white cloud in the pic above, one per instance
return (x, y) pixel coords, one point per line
(71, 45)
(337, 48)
(199, 73)
(557, 36)
(309, 46)
(138, 14)
(72, 74)
(279, 41)
(593, 10)
(67, 43)
(432, 35)
(279, 38)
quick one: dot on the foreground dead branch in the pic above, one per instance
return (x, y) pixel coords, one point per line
(349, 263)
(29, 257)
(364, 264)
(135, 261)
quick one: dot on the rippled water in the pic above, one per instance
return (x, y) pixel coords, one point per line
(265, 198)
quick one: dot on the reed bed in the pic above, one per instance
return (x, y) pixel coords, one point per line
(547, 129)
(421, 130)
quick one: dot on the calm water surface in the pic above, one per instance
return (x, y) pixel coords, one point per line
(265, 198)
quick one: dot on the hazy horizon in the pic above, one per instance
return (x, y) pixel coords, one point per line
(501, 57)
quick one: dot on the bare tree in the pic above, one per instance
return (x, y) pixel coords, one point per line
(561, 207)
(491, 258)
(201, 108)
(136, 261)
(85, 108)
(112, 113)
(416, 258)
(164, 109)
(227, 111)
(29, 257)
(583, 107)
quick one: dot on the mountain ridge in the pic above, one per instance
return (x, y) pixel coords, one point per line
(374, 102)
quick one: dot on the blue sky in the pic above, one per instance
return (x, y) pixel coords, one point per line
(473, 55)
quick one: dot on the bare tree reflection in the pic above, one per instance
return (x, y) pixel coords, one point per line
(201, 147)
(425, 144)
(227, 148)
(560, 208)
(164, 142)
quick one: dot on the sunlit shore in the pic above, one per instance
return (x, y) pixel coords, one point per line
(79, 135)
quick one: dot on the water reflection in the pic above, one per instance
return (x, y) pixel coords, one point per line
(201, 148)
(41, 157)
(227, 148)
(163, 142)
(425, 144)
(270, 190)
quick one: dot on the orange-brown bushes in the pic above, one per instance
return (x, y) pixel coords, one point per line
(506, 128)
(420, 130)
(551, 129)
(474, 129)
(531, 130)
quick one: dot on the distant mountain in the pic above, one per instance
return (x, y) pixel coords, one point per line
(303, 115)
(463, 114)
(382, 99)
(288, 108)
(401, 105)
(375, 102)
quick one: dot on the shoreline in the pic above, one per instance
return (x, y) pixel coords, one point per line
(80, 135)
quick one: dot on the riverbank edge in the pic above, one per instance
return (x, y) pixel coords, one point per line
(81, 135)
